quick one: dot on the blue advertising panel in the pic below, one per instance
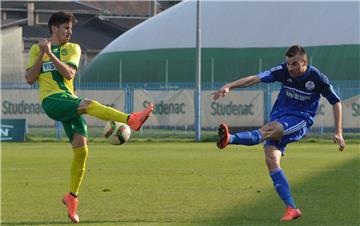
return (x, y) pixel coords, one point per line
(12, 130)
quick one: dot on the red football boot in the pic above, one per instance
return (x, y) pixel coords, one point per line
(137, 119)
(71, 204)
(291, 214)
(224, 136)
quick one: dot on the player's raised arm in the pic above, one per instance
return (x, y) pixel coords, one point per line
(34, 64)
(338, 137)
(247, 81)
(67, 71)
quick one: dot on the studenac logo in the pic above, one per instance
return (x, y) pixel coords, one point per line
(320, 110)
(9, 108)
(231, 109)
(356, 109)
(164, 108)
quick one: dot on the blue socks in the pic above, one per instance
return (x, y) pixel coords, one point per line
(282, 187)
(246, 138)
(280, 182)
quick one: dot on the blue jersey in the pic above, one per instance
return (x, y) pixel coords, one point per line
(299, 96)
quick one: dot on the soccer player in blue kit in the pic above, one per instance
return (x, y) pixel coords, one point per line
(291, 117)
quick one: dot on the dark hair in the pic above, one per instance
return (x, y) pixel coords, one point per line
(60, 18)
(295, 50)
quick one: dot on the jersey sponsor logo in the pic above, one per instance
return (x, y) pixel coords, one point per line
(297, 96)
(264, 74)
(48, 66)
(289, 80)
(310, 85)
(279, 67)
(294, 89)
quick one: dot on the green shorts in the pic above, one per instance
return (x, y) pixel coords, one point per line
(63, 107)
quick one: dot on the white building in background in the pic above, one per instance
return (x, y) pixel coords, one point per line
(238, 37)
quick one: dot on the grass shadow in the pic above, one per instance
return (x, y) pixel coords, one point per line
(330, 198)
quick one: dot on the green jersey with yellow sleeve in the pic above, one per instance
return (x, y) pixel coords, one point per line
(50, 80)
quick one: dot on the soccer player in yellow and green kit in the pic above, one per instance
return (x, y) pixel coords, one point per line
(53, 64)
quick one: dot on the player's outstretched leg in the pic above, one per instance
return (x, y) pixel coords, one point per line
(137, 119)
(224, 136)
(134, 120)
(71, 203)
(100, 111)
(291, 214)
(244, 138)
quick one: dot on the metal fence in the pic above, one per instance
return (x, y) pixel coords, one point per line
(345, 89)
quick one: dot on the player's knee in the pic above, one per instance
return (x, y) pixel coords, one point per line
(270, 160)
(272, 165)
(85, 103)
(79, 141)
(267, 131)
(272, 130)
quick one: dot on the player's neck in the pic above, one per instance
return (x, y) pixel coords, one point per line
(303, 71)
(305, 68)
(56, 42)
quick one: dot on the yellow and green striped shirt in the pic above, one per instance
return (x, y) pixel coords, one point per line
(50, 80)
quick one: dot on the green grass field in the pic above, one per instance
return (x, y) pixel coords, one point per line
(149, 183)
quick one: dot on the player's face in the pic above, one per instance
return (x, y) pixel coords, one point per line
(63, 32)
(296, 65)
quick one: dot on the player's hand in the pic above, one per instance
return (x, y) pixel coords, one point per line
(338, 138)
(45, 45)
(221, 92)
(41, 44)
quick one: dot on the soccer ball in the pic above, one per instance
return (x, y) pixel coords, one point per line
(117, 132)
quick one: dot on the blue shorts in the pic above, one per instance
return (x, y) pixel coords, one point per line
(295, 128)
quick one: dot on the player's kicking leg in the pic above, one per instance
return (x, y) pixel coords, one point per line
(244, 138)
(135, 120)
(224, 136)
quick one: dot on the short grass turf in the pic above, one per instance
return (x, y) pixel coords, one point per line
(179, 184)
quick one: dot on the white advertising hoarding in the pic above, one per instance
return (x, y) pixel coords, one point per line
(324, 114)
(172, 108)
(175, 108)
(351, 111)
(25, 104)
(238, 109)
